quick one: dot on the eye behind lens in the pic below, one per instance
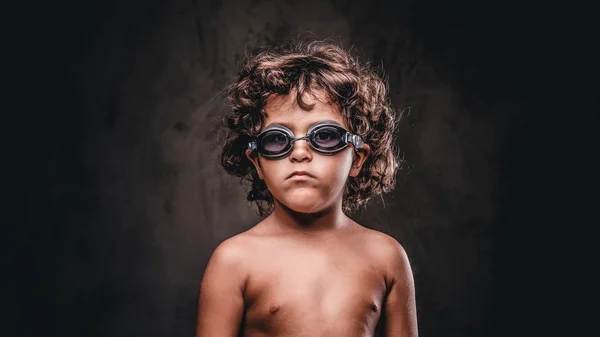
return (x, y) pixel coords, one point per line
(274, 141)
(327, 137)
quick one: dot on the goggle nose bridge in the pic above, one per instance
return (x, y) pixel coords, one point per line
(293, 140)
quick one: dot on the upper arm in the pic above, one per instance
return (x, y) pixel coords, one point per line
(220, 300)
(400, 307)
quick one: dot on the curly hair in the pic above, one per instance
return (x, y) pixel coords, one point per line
(304, 67)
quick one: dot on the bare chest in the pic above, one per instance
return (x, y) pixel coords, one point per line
(297, 290)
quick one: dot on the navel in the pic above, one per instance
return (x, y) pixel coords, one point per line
(374, 307)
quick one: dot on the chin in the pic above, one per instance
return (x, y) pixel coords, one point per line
(305, 203)
(305, 209)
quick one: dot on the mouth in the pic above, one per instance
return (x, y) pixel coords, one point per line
(300, 175)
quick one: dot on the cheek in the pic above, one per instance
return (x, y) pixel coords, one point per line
(273, 171)
(336, 168)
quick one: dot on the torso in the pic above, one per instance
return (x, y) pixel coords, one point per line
(313, 286)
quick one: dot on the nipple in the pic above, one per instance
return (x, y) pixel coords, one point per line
(274, 309)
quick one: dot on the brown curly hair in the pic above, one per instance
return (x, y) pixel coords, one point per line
(302, 67)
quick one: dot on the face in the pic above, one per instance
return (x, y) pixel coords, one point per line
(321, 184)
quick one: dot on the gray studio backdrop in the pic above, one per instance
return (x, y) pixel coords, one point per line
(150, 202)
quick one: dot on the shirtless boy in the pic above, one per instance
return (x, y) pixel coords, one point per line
(312, 131)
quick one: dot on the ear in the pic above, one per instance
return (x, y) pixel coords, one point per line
(253, 157)
(359, 159)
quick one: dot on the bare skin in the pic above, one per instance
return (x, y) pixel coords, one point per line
(307, 269)
(334, 283)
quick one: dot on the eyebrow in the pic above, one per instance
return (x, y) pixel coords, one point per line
(290, 126)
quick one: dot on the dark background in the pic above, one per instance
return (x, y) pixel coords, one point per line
(125, 200)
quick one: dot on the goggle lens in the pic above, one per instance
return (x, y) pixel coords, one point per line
(274, 141)
(328, 138)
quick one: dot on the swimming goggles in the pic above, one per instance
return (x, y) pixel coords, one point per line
(276, 141)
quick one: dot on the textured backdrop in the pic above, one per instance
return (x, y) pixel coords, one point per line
(124, 173)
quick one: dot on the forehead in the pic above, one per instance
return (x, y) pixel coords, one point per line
(286, 111)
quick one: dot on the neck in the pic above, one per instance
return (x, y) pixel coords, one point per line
(328, 220)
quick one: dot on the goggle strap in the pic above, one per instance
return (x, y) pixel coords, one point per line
(354, 140)
(252, 146)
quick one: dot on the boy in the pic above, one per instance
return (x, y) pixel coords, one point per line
(312, 131)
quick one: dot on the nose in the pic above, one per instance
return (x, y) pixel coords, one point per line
(301, 151)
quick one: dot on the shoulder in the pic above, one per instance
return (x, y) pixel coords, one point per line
(392, 255)
(239, 248)
(233, 249)
(231, 254)
(227, 265)
(383, 243)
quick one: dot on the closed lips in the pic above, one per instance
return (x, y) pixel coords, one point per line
(300, 173)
